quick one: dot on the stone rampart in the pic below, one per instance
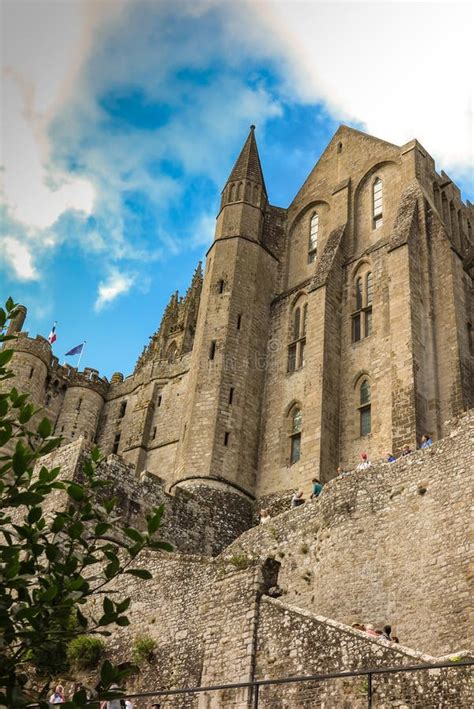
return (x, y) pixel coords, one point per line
(292, 642)
(201, 520)
(389, 544)
(213, 623)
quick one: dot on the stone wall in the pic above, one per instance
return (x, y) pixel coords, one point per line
(198, 519)
(293, 643)
(388, 544)
(213, 623)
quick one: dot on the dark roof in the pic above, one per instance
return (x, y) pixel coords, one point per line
(247, 166)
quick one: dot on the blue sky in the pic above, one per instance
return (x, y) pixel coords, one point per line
(123, 121)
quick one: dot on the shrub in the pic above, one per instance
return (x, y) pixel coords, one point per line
(240, 561)
(85, 651)
(143, 649)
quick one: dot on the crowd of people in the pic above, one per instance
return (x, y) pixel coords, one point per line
(365, 463)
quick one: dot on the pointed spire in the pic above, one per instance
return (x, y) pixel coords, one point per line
(247, 166)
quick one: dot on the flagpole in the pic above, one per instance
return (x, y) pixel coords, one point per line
(80, 356)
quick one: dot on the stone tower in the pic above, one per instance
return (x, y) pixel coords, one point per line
(220, 434)
(339, 325)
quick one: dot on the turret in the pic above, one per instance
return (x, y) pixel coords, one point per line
(82, 405)
(244, 196)
(18, 320)
(220, 435)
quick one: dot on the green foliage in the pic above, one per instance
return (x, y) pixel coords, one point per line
(143, 648)
(240, 561)
(85, 651)
(59, 547)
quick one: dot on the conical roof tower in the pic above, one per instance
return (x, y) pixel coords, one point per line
(248, 166)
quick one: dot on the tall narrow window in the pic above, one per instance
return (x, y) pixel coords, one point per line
(358, 294)
(123, 408)
(231, 395)
(297, 337)
(368, 305)
(226, 438)
(292, 358)
(212, 350)
(296, 323)
(378, 203)
(313, 237)
(239, 321)
(295, 435)
(153, 435)
(32, 371)
(220, 286)
(365, 408)
(362, 314)
(116, 443)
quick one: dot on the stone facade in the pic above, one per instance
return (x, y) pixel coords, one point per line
(339, 325)
(392, 543)
(361, 322)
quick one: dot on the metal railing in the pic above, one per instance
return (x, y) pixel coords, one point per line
(256, 685)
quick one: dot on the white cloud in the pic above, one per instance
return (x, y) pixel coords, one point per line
(44, 45)
(204, 230)
(404, 69)
(19, 258)
(115, 284)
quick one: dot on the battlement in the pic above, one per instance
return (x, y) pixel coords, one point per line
(38, 347)
(89, 378)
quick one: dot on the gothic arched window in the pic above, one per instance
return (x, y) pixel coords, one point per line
(296, 420)
(362, 313)
(171, 353)
(377, 203)
(313, 237)
(297, 338)
(364, 407)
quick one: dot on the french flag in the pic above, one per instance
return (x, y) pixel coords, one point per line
(52, 335)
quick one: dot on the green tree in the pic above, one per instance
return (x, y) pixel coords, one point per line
(59, 548)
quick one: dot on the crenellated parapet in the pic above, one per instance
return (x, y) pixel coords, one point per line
(88, 379)
(38, 347)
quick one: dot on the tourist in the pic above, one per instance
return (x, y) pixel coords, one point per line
(112, 703)
(339, 471)
(426, 442)
(406, 450)
(264, 516)
(391, 458)
(57, 696)
(395, 639)
(155, 706)
(370, 630)
(297, 499)
(317, 488)
(364, 463)
(386, 633)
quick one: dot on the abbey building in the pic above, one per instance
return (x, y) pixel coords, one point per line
(340, 324)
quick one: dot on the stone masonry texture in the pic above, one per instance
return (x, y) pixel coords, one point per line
(290, 354)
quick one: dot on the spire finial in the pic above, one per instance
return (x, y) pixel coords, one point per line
(252, 127)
